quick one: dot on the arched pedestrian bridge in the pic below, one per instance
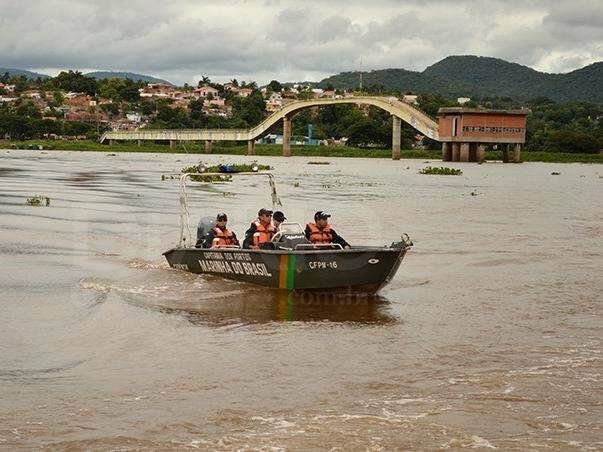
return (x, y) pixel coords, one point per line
(400, 111)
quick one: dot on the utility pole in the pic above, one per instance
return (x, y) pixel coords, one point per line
(360, 74)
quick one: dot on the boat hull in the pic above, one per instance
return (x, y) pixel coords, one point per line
(364, 270)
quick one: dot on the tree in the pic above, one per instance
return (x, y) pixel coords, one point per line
(275, 86)
(28, 109)
(249, 109)
(75, 81)
(204, 81)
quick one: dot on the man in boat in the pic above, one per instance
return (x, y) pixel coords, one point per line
(277, 218)
(220, 235)
(321, 232)
(260, 232)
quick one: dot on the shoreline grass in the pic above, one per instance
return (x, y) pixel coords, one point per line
(276, 150)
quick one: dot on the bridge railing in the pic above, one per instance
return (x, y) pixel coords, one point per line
(389, 103)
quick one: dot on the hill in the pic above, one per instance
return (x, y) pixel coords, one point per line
(100, 75)
(482, 77)
(29, 74)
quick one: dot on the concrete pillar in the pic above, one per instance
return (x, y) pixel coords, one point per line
(286, 137)
(456, 152)
(208, 146)
(517, 153)
(473, 152)
(172, 144)
(110, 142)
(250, 147)
(396, 137)
(464, 153)
(481, 153)
(446, 151)
(505, 153)
(139, 143)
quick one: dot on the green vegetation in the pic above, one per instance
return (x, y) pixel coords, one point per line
(277, 150)
(210, 178)
(441, 171)
(38, 201)
(226, 168)
(553, 128)
(474, 76)
(236, 168)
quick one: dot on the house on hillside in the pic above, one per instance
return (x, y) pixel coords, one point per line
(204, 91)
(81, 100)
(157, 90)
(328, 94)
(8, 88)
(274, 102)
(244, 92)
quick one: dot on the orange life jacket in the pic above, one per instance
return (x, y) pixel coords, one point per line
(262, 234)
(222, 238)
(318, 235)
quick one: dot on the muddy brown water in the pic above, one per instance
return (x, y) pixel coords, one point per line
(489, 336)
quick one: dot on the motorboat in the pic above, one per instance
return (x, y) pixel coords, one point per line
(290, 262)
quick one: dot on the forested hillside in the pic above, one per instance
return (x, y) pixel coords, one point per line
(480, 77)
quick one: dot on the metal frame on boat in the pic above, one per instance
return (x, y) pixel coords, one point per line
(293, 263)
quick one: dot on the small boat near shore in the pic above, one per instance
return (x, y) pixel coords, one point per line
(294, 264)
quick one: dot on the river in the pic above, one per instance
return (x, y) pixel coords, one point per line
(489, 336)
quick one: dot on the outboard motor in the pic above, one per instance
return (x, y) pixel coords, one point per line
(204, 226)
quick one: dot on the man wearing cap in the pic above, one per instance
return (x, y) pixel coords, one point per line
(321, 232)
(260, 231)
(220, 236)
(277, 218)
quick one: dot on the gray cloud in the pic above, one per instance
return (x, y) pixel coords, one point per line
(184, 39)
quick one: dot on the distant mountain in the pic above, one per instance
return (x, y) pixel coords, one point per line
(28, 74)
(100, 75)
(482, 76)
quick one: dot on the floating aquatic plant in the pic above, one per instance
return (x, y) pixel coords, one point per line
(38, 201)
(441, 171)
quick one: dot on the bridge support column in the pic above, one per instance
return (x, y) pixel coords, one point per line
(139, 143)
(396, 137)
(250, 147)
(456, 152)
(446, 151)
(172, 144)
(517, 153)
(110, 142)
(464, 154)
(505, 153)
(286, 136)
(481, 153)
(208, 146)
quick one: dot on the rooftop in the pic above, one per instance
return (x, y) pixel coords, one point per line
(481, 111)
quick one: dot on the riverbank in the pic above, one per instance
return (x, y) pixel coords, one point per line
(276, 150)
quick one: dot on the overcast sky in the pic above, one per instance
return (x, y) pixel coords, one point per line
(181, 40)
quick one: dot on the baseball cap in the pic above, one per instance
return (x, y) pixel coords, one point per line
(279, 216)
(321, 215)
(221, 217)
(263, 211)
